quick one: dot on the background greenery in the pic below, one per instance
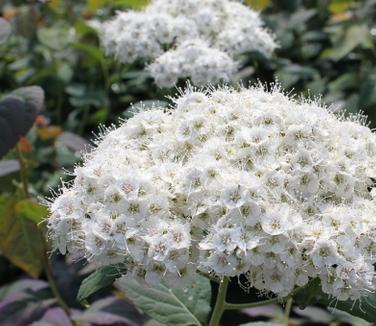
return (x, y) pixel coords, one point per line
(327, 47)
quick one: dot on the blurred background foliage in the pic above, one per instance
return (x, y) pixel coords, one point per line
(327, 47)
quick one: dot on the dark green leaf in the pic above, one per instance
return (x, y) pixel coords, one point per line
(103, 277)
(18, 111)
(89, 50)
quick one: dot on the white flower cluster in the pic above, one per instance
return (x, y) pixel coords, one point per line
(196, 39)
(228, 183)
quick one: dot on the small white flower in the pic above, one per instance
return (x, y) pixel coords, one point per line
(325, 254)
(234, 196)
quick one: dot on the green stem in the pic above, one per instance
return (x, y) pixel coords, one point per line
(46, 261)
(288, 310)
(234, 306)
(23, 172)
(84, 119)
(52, 283)
(210, 278)
(220, 303)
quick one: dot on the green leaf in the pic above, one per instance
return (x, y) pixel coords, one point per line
(343, 82)
(339, 6)
(55, 37)
(312, 294)
(356, 35)
(103, 277)
(20, 240)
(90, 50)
(134, 4)
(31, 210)
(93, 5)
(178, 306)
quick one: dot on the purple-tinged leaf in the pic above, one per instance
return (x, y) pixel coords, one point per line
(270, 311)
(5, 30)
(54, 317)
(24, 302)
(315, 314)
(21, 286)
(8, 167)
(73, 142)
(18, 311)
(109, 311)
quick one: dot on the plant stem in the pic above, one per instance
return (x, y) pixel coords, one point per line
(46, 261)
(220, 303)
(84, 118)
(23, 172)
(52, 283)
(288, 310)
(234, 306)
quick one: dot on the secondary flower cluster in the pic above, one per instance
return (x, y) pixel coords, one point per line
(196, 39)
(229, 182)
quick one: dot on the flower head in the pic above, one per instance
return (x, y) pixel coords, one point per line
(229, 182)
(196, 39)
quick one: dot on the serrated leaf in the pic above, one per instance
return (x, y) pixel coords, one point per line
(20, 239)
(103, 277)
(31, 210)
(188, 305)
(5, 30)
(18, 111)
